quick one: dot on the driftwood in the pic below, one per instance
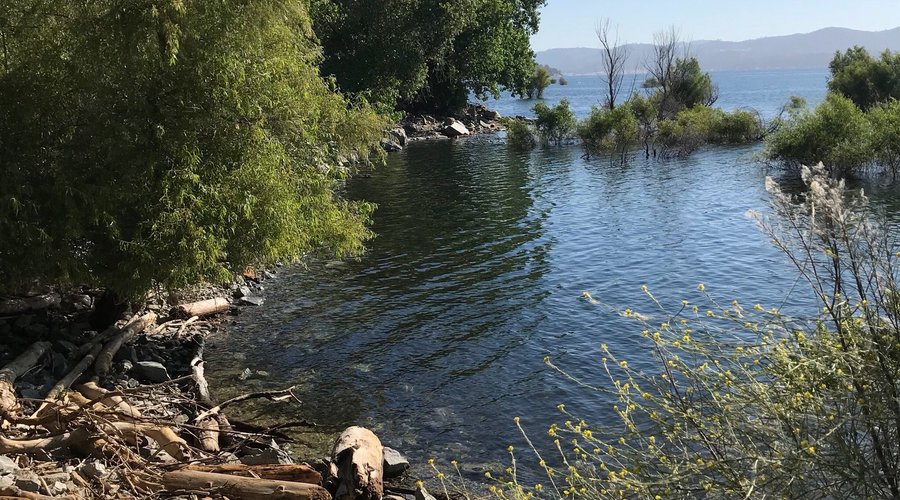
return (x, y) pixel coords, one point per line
(237, 487)
(134, 327)
(19, 306)
(298, 473)
(209, 435)
(9, 373)
(57, 390)
(14, 492)
(357, 462)
(202, 308)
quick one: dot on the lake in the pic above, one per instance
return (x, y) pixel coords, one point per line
(435, 338)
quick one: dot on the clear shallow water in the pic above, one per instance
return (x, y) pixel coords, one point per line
(436, 337)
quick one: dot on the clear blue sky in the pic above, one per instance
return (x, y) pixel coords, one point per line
(570, 23)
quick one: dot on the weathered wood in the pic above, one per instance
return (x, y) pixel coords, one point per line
(202, 308)
(19, 305)
(357, 462)
(8, 375)
(297, 473)
(209, 435)
(14, 492)
(237, 487)
(117, 403)
(133, 328)
(60, 387)
(197, 372)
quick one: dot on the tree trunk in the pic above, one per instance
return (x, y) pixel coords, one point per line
(202, 308)
(357, 463)
(134, 327)
(10, 372)
(301, 473)
(237, 488)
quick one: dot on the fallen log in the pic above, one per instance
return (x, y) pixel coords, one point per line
(133, 328)
(357, 462)
(8, 375)
(60, 387)
(237, 487)
(297, 473)
(14, 492)
(202, 308)
(19, 306)
(209, 435)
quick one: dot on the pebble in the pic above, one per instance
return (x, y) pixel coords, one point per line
(245, 374)
(92, 468)
(151, 371)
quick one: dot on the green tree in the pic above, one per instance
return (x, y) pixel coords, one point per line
(427, 54)
(554, 125)
(539, 82)
(613, 130)
(169, 141)
(865, 80)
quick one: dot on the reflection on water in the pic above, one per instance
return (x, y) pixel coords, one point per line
(435, 338)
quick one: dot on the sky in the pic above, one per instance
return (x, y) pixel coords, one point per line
(571, 23)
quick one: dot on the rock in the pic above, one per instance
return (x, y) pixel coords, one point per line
(245, 374)
(252, 301)
(455, 129)
(393, 497)
(6, 482)
(92, 469)
(394, 463)
(127, 366)
(262, 373)
(269, 275)
(422, 494)
(7, 465)
(60, 365)
(399, 135)
(241, 292)
(27, 480)
(489, 115)
(390, 146)
(31, 393)
(267, 457)
(58, 487)
(151, 371)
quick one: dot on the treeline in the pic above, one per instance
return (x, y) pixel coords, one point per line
(165, 142)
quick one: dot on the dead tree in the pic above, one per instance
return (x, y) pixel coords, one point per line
(614, 57)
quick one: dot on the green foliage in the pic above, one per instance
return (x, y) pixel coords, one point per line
(518, 134)
(865, 80)
(554, 125)
(700, 125)
(836, 133)
(169, 141)
(885, 139)
(539, 82)
(427, 54)
(681, 86)
(614, 130)
(748, 402)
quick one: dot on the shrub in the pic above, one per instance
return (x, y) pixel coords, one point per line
(836, 133)
(738, 127)
(554, 125)
(885, 139)
(169, 142)
(749, 402)
(518, 134)
(865, 80)
(613, 130)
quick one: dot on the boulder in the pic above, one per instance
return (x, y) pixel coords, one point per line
(394, 462)
(7, 465)
(455, 129)
(267, 457)
(252, 301)
(399, 135)
(151, 371)
(390, 146)
(489, 115)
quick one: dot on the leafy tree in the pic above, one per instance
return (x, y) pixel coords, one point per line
(427, 54)
(539, 82)
(609, 130)
(885, 138)
(169, 141)
(863, 79)
(554, 125)
(519, 134)
(677, 77)
(837, 133)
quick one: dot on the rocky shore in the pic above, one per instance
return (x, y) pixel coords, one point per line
(102, 400)
(474, 119)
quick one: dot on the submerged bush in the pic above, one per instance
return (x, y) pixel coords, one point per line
(885, 138)
(518, 134)
(837, 133)
(694, 127)
(609, 130)
(748, 402)
(554, 125)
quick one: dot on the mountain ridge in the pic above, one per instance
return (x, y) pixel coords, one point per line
(795, 51)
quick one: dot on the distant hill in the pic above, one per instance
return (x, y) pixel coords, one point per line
(800, 51)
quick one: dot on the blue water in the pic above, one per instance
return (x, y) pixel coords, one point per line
(763, 91)
(436, 337)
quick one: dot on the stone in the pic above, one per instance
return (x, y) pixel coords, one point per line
(7, 482)
(262, 373)
(92, 469)
(252, 301)
(399, 135)
(242, 291)
(151, 371)
(422, 494)
(7, 465)
(267, 457)
(269, 275)
(489, 115)
(245, 374)
(394, 463)
(455, 129)
(58, 487)
(390, 146)
(31, 393)
(27, 480)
